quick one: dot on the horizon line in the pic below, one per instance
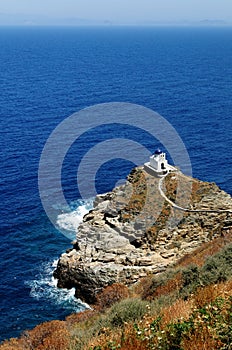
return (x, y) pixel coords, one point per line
(164, 24)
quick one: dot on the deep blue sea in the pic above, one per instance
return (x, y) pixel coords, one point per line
(46, 74)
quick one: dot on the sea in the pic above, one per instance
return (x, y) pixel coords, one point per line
(49, 73)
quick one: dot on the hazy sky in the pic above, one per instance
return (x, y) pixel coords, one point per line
(123, 10)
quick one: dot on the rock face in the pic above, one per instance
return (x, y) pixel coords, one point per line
(132, 231)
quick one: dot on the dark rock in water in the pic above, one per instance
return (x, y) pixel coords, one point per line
(133, 231)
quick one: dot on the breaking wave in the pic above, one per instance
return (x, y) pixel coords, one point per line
(44, 286)
(70, 221)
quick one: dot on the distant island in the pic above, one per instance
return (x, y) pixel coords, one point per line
(43, 20)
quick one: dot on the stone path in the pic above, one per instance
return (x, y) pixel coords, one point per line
(186, 209)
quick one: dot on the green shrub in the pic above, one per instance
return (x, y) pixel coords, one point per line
(151, 287)
(125, 311)
(216, 269)
(208, 327)
(191, 280)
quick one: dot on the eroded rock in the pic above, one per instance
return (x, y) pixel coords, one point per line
(132, 232)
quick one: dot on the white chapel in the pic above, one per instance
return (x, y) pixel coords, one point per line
(158, 164)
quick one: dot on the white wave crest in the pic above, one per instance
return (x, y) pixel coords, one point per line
(70, 221)
(44, 286)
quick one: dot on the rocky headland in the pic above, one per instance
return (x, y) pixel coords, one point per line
(133, 231)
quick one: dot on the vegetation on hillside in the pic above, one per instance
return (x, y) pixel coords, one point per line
(187, 307)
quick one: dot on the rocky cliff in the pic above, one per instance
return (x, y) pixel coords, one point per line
(133, 231)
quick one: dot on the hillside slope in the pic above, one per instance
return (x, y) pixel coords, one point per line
(156, 277)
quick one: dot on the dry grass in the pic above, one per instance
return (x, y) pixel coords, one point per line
(81, 317)
(13, 344)
(110, 295)
(169, 286)
(180, 310)
(152, 287)
(202, 339)
(167, 319)
(199, 255)
(48, 336)
(52, 335)
(179, 323)
(208, 294)
(152, 331)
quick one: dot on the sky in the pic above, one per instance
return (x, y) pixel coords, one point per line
(120, 11)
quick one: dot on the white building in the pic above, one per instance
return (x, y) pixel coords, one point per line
(158, 164)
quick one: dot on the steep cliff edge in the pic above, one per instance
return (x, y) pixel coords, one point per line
(133, 231)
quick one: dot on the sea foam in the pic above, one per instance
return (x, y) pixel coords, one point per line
(71, 220)
(44, 286)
